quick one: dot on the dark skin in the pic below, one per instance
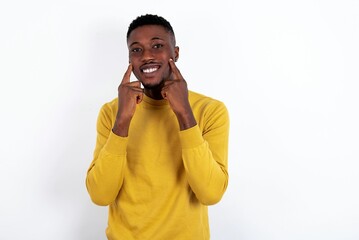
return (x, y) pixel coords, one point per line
(151, 53)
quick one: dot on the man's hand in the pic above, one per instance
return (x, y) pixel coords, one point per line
(176, 93)
(129, 95)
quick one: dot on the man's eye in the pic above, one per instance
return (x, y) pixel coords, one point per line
(158, 45)
(136, 50)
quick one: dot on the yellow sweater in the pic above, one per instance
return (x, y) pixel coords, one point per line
(159, 180)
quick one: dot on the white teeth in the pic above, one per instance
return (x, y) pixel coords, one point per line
(149, 70)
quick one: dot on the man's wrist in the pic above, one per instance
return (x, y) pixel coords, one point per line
(186, 120)
(121, 128)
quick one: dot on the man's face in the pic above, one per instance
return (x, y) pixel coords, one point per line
(150, 48)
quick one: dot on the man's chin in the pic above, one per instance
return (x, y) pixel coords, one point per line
(153, 85)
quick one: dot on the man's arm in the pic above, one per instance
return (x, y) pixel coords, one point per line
(204, 154)
(105, 175)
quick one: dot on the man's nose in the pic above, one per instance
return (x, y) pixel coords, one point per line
(147, 55)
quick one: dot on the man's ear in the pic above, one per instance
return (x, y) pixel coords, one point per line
(176, 53)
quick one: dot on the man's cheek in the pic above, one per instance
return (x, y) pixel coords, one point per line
(168, 71)
(136, 73)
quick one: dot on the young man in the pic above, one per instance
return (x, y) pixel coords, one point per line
(161, 151)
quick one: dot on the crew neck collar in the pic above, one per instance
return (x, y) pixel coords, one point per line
(153, 102)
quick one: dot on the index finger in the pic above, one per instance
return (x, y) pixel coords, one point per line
(176, 72)
(127, 75)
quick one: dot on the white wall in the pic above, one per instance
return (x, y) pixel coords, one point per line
(287, 71)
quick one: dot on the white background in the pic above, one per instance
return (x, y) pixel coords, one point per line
(287, 71)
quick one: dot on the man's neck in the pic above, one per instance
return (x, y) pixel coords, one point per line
(154, 93)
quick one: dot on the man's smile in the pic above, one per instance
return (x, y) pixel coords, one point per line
(149, 68)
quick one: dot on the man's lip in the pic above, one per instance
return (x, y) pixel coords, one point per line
(150, 65)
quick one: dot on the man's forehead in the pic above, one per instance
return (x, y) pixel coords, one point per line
(149, 32)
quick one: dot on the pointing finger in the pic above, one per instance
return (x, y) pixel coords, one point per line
(127, 75)
(176, 72)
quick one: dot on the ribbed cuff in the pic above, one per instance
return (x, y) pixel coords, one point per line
(191, 137)
(116, 145)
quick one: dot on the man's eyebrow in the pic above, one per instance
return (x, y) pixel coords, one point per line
(154, 38)
(134, 43)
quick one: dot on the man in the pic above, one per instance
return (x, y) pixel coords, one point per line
(161, 151)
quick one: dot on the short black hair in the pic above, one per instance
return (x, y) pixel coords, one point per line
(149, 19)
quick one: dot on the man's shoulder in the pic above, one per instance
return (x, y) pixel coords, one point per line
(196, 98)
(207, 108)
(110, 106)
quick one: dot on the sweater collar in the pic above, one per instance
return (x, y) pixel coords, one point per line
(155, 103)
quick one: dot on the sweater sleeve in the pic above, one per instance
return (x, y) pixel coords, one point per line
(205, 156)
(106, 172)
